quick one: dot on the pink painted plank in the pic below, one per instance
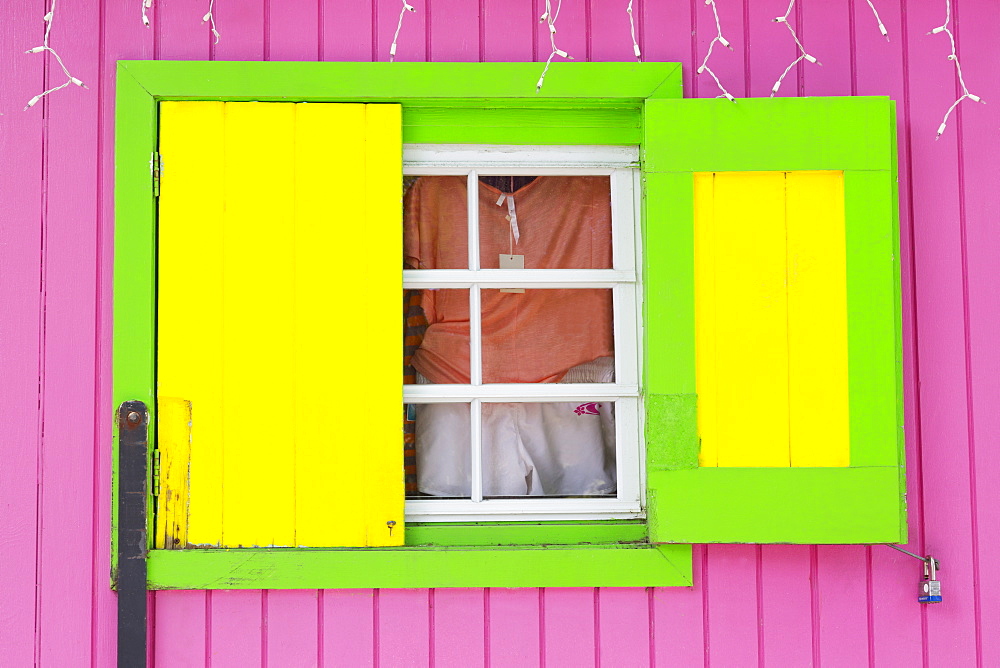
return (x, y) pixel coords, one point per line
(623, 633)
(411, 45)
(180, 33)
(508, 31)
(665, 35)
(69, 284)
(568, 627)
(454, 31)
(731, 592)
(826, 31)
(179, 635)
(241, 25)
(403, 626)
(787, 605)
(457, 628)
(347, 627)
(512, 628)
(942, 346)
(236, 628)
(292, 626)
(610, 36)
(346, 31)
(20, 243)
(124, 38)
(843, 605)
(677, 620)
(982, 206)
(293, 30)
(728, 64)
(895, 633)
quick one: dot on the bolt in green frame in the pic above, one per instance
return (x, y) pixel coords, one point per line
(582, 103)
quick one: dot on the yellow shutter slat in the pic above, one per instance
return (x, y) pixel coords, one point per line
(309, 249)
(819, 429)
(189, 301)
(747, 337)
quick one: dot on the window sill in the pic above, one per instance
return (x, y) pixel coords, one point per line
(595, 565)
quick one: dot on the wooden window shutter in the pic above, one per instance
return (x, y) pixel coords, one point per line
(773, 326)
(278, 344)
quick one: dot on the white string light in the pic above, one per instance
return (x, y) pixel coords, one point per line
(881, 26)
(210, 18)
(70, 79)
(549, 18)
(720, 40)
(631, 23)
(407, 7)
(953, 56)
(146, 4)
(803, 55)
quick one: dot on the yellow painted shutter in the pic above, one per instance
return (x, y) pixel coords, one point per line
(771, 319)
(278, 324)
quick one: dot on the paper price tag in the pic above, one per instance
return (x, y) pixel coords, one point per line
(512, 262)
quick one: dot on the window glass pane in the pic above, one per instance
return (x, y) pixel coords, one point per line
(564, 448)
(441, 450)
(549, 222)
(547, 336)
(435, 336)
(435, 222)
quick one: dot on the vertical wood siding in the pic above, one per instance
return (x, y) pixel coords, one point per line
(770, 605)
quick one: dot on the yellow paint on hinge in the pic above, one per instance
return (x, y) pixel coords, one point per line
(174, 444)
(817, 320)
(771, 319)
(304, 266)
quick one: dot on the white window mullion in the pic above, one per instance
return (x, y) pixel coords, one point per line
(477, 449)
(626, 334)
(622, 212)
(627, 449)
(472, 185)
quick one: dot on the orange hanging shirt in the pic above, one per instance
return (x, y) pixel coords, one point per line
(564, 223)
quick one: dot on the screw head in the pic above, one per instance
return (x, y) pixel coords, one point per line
(133, 417)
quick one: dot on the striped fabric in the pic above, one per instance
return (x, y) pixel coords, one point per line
(414, 325)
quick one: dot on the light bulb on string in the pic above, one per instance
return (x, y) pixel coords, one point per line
(45, 47)
(953, 56)
(718, 39)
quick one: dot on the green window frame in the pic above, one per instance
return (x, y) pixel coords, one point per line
(582, 103)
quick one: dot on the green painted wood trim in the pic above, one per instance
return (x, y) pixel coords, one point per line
(525, 533)
(668, 283)
(777, 505)
(509, 83)
(874, 324)
(582, 103)
(552, 566)
(768, 134)
(133, 342)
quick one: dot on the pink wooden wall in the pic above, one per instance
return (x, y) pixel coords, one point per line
(772, 605)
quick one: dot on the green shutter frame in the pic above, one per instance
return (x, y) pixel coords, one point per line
(861, 503)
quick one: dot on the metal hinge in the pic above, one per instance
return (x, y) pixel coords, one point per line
(156, 473)
(157, 165)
